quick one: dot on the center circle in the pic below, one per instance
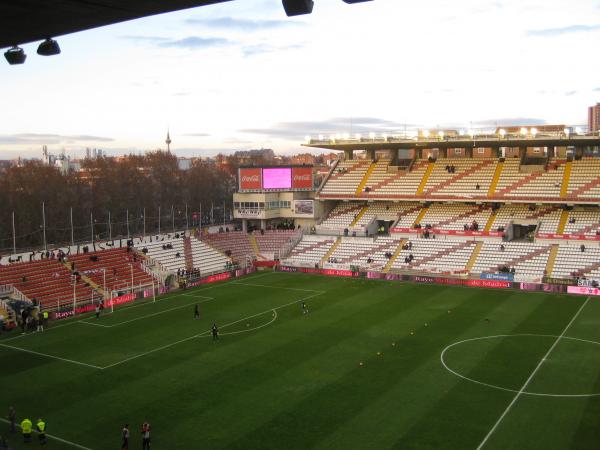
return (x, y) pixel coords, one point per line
(444, 354)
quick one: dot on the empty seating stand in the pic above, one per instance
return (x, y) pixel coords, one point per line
(48, 281)
(118, 264)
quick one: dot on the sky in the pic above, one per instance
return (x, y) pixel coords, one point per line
(241, 75)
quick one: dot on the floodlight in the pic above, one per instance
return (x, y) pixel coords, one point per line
(297, 7)
(441, 134)
(567, 131)
(372, 135)
(48, 48)
(307, 138)
(461, 132)
(502, 132)
(320, 137)
(534, 131)
(425, 133)
(15, 55)
(523, 131)
(384, 136)
(358, 136)
(577, 130)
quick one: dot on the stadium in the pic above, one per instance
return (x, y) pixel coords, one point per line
(432, 288)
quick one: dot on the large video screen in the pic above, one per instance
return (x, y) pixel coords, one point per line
(277, 178)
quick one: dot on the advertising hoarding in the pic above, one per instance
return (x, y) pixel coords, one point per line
(250, 179)
(302, 178)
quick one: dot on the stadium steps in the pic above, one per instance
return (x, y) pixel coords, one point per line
(397, 252)
(365, 179)
(458, 176)
(588, 228)
(542, 213)
(307, 249)
(425, 178)
(396, 177)
(581, 189)
(421, 215)
(564, 216)
(523, 181)
(359, 215)
(208, 244)
(490, 222)
(474, 256)
(335, 245)
(368, 252)
(526, 257)
(439, 254)
(564, 187)
(587, 269)
(464, 215)
(551, 259)
(187, 252)
(99, 289)
(254, 244)
(494, 184)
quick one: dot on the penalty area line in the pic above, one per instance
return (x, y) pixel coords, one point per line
(199, 335)
(51, 436)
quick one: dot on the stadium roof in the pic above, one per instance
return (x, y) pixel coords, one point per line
(393, 143)
(26, 21)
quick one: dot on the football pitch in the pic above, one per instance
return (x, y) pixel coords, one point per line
(372, 365)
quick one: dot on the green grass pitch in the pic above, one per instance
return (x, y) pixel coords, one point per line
(442, 367)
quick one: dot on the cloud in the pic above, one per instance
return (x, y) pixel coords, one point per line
(49, 139)
(551, 32)
(297, 130)
(260, 49)
(197, 134)
(597, 89)
(230, 23)
(570, 93)
(507, 121)
(196, 42)
(181, 94)
(152, 39)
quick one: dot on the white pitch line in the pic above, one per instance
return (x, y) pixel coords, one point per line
(278, 287)
(56, 438)
(204, 332)
(72, 361)
(158, 313)
(95, 324)
(518, 394)
(128, 307)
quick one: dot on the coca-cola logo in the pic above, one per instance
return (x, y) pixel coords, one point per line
(302, 177)
(251, 178)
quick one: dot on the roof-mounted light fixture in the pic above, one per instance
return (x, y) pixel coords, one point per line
(15, 55)
(48, 48)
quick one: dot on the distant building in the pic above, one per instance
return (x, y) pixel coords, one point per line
(304, 158)
(594, 118)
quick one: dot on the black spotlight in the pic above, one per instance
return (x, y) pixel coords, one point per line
(48, 48)
(297, 7)
(15, 55)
